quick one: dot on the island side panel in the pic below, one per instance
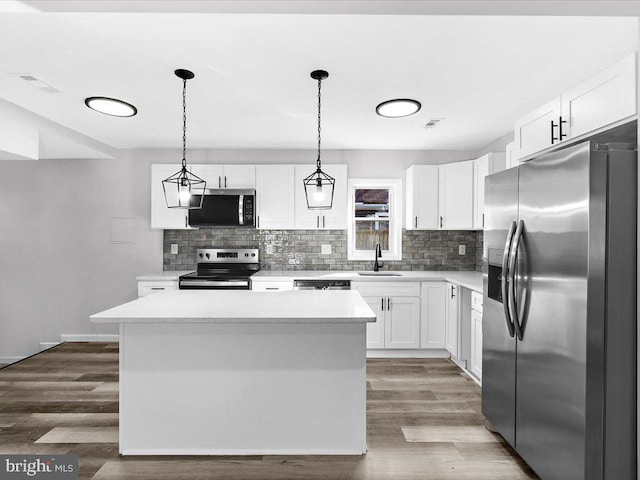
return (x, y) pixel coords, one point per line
(243, 388)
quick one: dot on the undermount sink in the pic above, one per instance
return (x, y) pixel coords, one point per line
(379, 274)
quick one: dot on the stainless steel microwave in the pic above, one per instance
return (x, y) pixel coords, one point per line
(224, 208)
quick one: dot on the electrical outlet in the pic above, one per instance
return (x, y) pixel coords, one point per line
(269, 249)
(462, 249)
(174, 249)
(325, 249)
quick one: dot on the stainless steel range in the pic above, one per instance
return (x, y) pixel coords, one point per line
(222, 269)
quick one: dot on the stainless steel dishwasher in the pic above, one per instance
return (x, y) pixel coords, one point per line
(318, 284)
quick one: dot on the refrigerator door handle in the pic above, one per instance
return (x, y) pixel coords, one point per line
(513, 307)
(504, 279)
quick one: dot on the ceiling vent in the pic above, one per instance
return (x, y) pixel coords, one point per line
(39, 84)
(432, 123)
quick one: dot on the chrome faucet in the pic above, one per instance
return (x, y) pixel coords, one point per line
(377, 263)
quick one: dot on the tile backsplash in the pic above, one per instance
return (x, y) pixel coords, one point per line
(301, 249)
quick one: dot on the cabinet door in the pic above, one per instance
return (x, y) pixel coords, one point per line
(604, 99)
(402, 322)
(211, 173)
(480, 171)
(274, 196)
(147, 287)
(510, 154)
(456, 195)
(476, 344)
(453, 320)
(422, 197)
(433, 312)
(161, 215)
(533, 131)
(271, 286)
(336, 218)
(239, 176)
(376, 330)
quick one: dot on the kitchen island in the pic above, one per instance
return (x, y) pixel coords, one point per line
(239, 372)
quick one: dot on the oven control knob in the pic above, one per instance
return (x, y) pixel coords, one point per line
(207, 255)
(201, 255)
(253, 254)
(246, 254)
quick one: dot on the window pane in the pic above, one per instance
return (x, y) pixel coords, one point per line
(370, 232)
(372, 203)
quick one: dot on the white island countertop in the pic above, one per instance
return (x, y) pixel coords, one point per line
(242, 306)
(467, 279)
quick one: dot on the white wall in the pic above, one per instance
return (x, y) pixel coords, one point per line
(57, 262)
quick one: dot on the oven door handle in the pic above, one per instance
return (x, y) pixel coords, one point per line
(240, 209)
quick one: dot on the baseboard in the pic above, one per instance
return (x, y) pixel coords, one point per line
(67, 337)
(461, 363)
(8, 360)
(47, 345)
(414, 353)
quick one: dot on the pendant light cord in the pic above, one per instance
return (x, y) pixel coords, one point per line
(184, 123)
(319, 127)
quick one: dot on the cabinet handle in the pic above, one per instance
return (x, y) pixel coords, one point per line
(416, 222)
(382, 304)
(317, 221)
(388, 303)
(553, 137)
(186, 221)
(225, 181)
(483, 220)
(157, 288)
(219, 182)
(452, 291)
(440, 222)
(323, 221)
(562, 135)
(258, 221)
(272, 288)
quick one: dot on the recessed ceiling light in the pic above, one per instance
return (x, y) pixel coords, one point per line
(111, 106)
(398, 107)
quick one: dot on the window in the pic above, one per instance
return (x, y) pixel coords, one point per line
(375, 209)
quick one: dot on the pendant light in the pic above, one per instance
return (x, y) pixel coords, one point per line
(318, 187)
(183, 189)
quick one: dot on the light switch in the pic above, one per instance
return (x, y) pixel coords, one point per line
(325, 249)
(269, 249)
(174, 249)
(462, 249)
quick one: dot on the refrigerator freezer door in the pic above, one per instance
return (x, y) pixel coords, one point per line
(499, 346)
(551, 305)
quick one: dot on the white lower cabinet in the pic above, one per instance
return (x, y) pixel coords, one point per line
(452, 332)
(433, 311)
(147, 287)
(271, 286)
(475, 362)
(397, 309)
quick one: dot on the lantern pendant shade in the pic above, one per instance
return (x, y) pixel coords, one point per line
(183, 189)
(318, 188)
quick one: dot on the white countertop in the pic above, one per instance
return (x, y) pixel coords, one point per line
(467, 279)
(231, 306)
(168, 275)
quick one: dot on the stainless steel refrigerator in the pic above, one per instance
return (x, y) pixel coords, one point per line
(559, 325)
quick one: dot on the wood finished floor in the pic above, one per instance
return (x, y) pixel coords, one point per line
(423, 422)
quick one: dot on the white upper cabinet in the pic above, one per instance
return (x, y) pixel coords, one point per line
(603, 100)
(483, 166)
(456, 195)
(161, 215)
(510, 155)
(336, 218)
(421, 183)
(538, 129)
(226, 176)
(275, 196)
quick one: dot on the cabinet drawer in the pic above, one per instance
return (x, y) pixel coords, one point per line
(271, 286)
(149, 287)
(387, 289)
(476, 301)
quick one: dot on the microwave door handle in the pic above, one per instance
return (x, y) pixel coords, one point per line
(240, 209)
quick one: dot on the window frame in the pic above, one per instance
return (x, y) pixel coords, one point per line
(395, 218)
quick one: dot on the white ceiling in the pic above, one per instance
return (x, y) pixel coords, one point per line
(252, 87)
